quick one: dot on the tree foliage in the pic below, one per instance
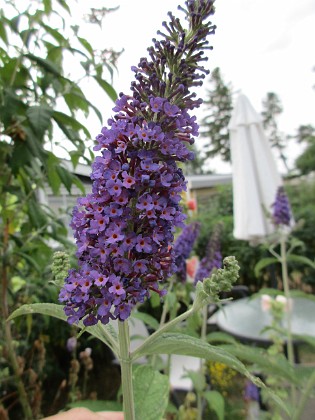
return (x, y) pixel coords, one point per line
(305, 163)
(215, 124)
(41, 104)
(272, 109)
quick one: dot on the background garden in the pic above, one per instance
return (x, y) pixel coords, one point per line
(43, 111)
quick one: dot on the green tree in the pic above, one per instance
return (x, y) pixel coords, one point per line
(40, 104)
(305, 163)
(272, 109)
(215, 125)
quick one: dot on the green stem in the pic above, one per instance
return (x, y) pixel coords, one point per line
(203, 335)
(285, 279)
(126, 371)
(162, 322)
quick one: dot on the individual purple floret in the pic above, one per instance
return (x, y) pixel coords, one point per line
(124, 229)
(281, 208)
(183, 247)
(212, 258)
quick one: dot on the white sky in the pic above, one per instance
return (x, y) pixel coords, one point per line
(260, 46)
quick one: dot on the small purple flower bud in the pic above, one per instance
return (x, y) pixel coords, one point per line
(281, 208)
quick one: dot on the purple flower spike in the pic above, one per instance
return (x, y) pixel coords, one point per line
(124, 229)
(183, 247)
(213, 258)
(281, 209)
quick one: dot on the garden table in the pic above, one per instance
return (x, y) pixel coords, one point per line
(245, 319)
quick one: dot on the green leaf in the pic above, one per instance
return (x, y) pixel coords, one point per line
(300, 259)
(63, 3)
(220, 337)
(32, 262)
(98, 405)
(215, 401)
(76, 102)
(147, 319)
(86, 45)
(47, 6)
(264, 263)
(17, 283)
(36, 214)
(69, 121)
(177, 343)
(40, 118)
(56, 35)
(151, 393)
(45, 64)
(65, 176)
(53, 179)
(105, 333)
(198, 379)
(107, 88)
(276, 365)
(3, 33)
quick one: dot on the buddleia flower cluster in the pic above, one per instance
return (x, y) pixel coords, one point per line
(281, 209)
(213, 257)
(124, 229)
(183, 247)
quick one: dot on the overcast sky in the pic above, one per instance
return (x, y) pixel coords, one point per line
(260, 46)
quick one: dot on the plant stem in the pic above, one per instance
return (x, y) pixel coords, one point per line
(203, 335)
(285, 279)
(162, 322)
(126, 370)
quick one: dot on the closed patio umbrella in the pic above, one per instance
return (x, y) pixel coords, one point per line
(254, 171)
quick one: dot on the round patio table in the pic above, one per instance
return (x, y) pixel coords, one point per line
(245, 319)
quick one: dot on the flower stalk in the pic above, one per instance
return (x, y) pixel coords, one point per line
(126, 370)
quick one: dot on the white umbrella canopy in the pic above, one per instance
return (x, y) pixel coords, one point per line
(255, 175)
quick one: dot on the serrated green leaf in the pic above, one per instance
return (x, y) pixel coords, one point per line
(151, 393)
(107, 88)
(105, 333)
(216, 403)
(264, 263)
(40, 118)
(147, 319)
